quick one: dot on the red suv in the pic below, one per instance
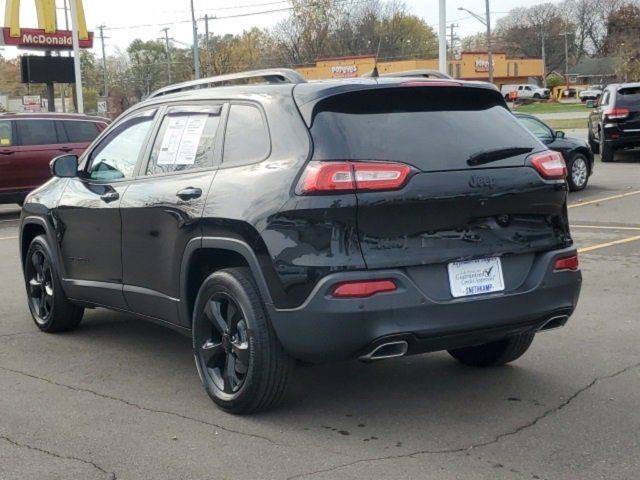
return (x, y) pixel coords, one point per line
(28, 142)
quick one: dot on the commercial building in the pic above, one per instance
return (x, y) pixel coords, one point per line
(470, 66)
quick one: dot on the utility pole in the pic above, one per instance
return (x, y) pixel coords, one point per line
(566, 58)
(544, 58)
(442, 37)
(452, 39)
(166, 43)
(206, 43)
(196, 51)
(489, 52)
(76, 55)
(104, 62)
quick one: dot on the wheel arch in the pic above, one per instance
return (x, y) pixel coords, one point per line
(32, 227)
(586, 152)
(205, 255)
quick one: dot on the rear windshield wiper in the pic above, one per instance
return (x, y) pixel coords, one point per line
(487, 156)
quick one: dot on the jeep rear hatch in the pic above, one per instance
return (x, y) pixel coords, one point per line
(441, 172)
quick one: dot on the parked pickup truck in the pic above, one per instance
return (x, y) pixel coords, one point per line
(525, 91)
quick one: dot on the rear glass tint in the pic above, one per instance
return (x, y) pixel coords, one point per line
(80, 132)
(37, 132)
(431, 128)
(629, 97)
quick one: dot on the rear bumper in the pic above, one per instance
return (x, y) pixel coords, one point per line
(325, 329)
(625, 140)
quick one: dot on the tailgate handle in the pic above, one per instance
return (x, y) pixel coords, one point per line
(189, 193)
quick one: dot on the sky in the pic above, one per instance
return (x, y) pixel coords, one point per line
(123, 19)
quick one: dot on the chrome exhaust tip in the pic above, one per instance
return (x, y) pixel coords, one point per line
(397, 348)
(557, 321)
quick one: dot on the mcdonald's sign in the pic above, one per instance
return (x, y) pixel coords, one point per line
(46, 36)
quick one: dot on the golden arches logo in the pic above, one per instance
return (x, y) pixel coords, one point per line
(46, 10)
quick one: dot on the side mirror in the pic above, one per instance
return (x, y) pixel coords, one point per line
(591, 104)
(560, 134)
(64, 166)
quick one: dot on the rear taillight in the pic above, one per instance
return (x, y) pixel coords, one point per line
(567, 263)
(329, 177)
(617, 113)
(550, 165)
(363, 288)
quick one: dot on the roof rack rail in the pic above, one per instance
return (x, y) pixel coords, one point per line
(272, 75)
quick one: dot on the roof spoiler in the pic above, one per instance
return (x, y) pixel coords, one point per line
(273, 76)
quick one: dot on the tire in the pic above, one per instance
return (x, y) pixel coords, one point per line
(50, 308)
(606, 152)
(536, 95)
(578, 176)
(595, 146)
(495, 353)
(241, 364)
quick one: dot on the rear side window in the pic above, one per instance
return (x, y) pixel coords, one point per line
(79, 131)
(246, 138)
(37, 132)
(6, 134)
(629, 97)
(431, 128)
(185, 141)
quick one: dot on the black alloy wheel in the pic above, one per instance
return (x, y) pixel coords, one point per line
(241, 363)
(224, 343)
(50, 308)
(40, 286)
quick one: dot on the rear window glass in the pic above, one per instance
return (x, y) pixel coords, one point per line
(80, 132)
(36, 132)
(629, 97)
(431, 128)
(246, 138)
(6, 134)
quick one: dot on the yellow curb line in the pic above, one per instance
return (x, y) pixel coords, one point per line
(613, 197)
(608, 244)
(606, 227)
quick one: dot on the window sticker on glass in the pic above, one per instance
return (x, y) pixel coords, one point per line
(181, 140)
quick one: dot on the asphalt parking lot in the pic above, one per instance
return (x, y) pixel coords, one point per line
(120, 398)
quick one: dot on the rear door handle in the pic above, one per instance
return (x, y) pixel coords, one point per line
(7, 152)
(189, 193)
(110, 197)
(65, 149)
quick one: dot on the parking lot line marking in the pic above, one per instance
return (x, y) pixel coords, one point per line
(609, 244)
(12, 220)
(606, 227)
(8, 238)
(612, 197)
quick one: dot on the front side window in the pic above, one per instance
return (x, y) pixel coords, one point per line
(539, 129)
(117, 155)
(37, 132)
(6, 133)
(185, 141)
(246, 138)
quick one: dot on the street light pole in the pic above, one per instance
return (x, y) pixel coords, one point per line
(196, 52)
(489, 52)
(487, 22)
(442, 38)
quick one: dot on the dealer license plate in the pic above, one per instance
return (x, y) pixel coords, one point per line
(475, 277)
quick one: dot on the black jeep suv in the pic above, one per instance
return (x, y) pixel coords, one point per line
(614, 124)
(368, 218)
